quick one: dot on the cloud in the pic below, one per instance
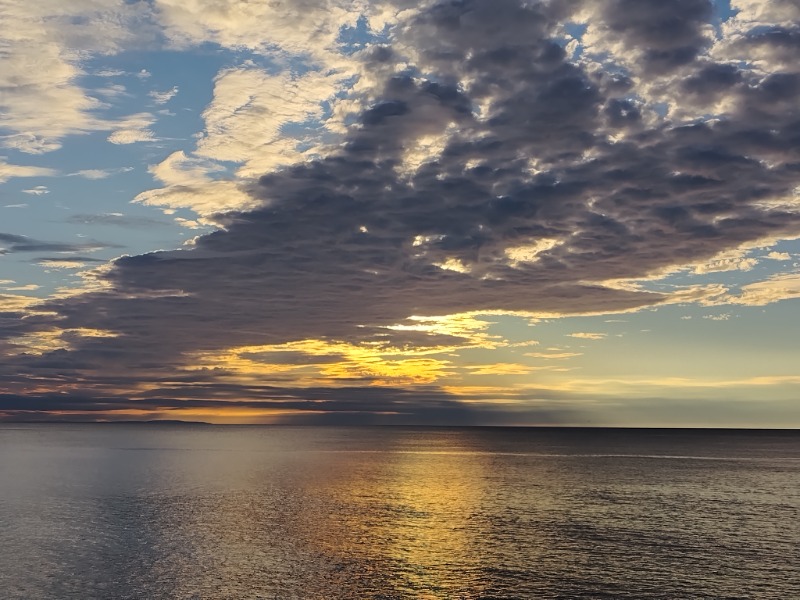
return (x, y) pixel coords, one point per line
(784, 286)
(93, 174)
(649, 37)
(553, 355)
(191, 183)
(9, 171)
(109, 73)
(732, 260)
(39, 190)
(10, 303)
(23, 288)
(779, 256)
(248, 122)
(163, 97)
(480, 169)
(247, 118)
(499, 369)
(297, 27)
(132, 129)
(43, 47)
(62, 263)
(266, 118)
(287, 405)
(118, 219)
(588, 336)
(20, 243)
(754, 13)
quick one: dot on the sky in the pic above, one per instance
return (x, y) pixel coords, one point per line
(462, 212)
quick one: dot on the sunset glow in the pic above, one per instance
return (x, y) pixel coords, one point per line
(501, 212)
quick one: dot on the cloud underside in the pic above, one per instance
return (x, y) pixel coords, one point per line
(549, 176)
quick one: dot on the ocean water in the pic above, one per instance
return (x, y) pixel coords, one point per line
(203, 512)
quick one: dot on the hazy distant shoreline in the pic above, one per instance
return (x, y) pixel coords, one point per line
(589, 428)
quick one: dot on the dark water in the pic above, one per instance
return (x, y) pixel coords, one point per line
(150, 512)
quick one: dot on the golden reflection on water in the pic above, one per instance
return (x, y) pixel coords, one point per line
(393, 521)
(440, 494)
(413, 510)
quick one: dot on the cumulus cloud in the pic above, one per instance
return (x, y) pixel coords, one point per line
(779, 256)
(295, 27)
(43, 45)
(538, 184)
(648, 37)
(247, 118)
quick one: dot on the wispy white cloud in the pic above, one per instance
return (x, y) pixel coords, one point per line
(731, 260)
(109, 73)
(163, 97)
(587, 335)
(719, 317)
(23, 288)
(784, 286)
(498, 369)
(39, 190)
(9, 171)
(553, 355)
(133, 128)
(191, 183)
(100, 173)
(64, 264)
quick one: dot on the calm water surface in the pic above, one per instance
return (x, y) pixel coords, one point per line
(199, 512)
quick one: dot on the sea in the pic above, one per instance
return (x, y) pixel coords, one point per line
(148, 511)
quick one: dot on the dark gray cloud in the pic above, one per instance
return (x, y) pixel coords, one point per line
(21, 243)
(712, 80)
(540, 152)
(663, 36)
